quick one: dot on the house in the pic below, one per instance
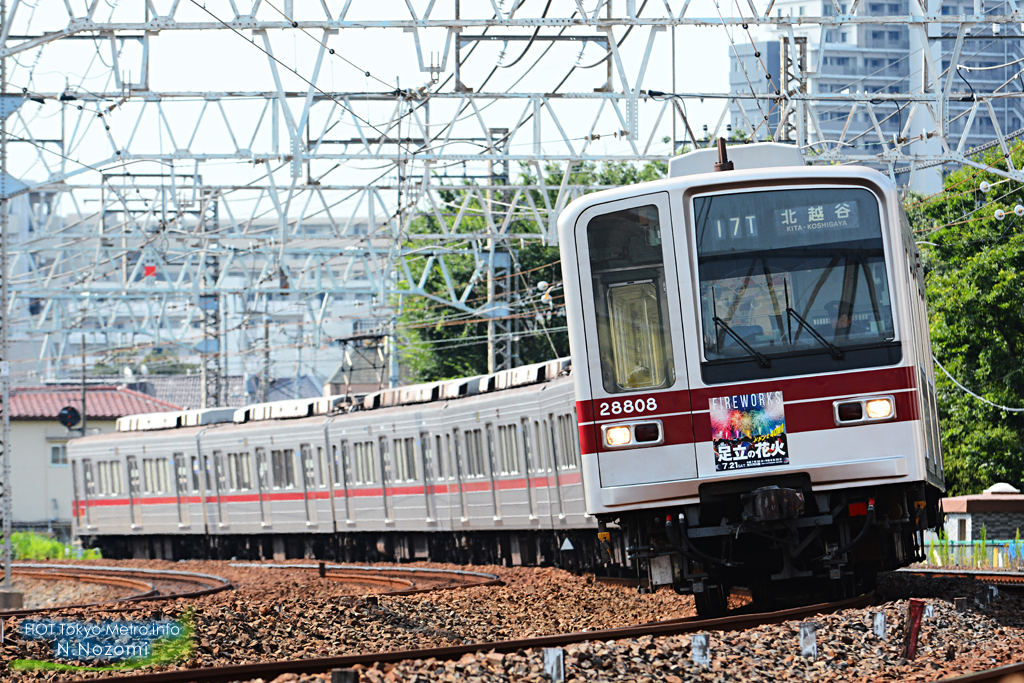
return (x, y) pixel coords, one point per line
(1000, 508)
(40, 476)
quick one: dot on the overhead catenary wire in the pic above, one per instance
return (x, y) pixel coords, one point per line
(971, 393)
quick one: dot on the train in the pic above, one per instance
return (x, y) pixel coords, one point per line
(750, 401)
(753, 375)
(479, 470)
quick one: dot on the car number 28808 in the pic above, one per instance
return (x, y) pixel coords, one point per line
(628, 407)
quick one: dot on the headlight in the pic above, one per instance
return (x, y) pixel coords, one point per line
(617, 436)
(879, 408)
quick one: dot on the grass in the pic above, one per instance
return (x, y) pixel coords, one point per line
(27, 545)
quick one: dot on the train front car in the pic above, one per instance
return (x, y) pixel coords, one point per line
(754, 377)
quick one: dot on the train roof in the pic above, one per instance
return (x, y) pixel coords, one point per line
(327, 405)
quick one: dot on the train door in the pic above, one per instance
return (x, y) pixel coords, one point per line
(89, 479)
(456, 455)
(341, 476)
(495, 492)
(633, 326)
(427, 465)
(264, 485)
(552, 440)
(181, 477)
(221, 482)
(134, 492)
(309, 482)
(77, 510)
(197, 487)
(385, 475)
(528, 465)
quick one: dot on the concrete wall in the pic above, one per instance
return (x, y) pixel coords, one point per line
(999, 526)
(35, 482)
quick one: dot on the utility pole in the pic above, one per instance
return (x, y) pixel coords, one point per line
(8, 597)
(83, 375)
(265, 370)
(501, 341)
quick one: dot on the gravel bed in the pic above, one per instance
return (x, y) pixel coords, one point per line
(282, 614)
(950, 644)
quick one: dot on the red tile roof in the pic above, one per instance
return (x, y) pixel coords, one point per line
(102, 402)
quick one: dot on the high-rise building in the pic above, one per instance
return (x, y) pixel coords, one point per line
(875, 58)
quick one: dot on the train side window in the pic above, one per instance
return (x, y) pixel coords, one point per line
(440, 457)
(308, 466)
(474, 454)
(365, 471)
(90, 481)
(630, 299)
(428, 457)
(233, 471)
(509, 447)
(405, 459)
(531, 461)
(277, 463)
(323, 469)
(570, 452)
(262, 469)
(448, 454)
(103, 478)
(196, 484)
(289, 467)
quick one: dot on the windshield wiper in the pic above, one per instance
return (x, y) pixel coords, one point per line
(836, 352)
(762, 360)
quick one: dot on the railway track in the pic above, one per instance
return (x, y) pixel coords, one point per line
(1004, 579)
(149, 584)
(270, 670)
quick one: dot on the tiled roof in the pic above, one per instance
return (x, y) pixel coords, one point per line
(101, 402)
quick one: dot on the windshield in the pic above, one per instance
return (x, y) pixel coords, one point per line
(791, 272)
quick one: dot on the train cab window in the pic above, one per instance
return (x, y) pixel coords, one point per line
(630, 297)
(792, 282)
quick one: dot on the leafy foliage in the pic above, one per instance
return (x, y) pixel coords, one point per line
(26, 545)
(975, 284)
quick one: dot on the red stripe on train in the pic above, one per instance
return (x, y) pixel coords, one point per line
(802, 417)
(503, 484)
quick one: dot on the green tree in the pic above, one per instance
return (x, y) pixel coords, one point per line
(440, 342)
(975, 288)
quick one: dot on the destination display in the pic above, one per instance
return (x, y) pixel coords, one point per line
(818, 217)
(758, 221)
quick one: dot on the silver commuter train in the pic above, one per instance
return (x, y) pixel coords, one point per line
(753, 375)
(484, 469)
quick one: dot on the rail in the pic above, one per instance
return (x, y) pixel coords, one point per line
(144, 580)
(270, 670)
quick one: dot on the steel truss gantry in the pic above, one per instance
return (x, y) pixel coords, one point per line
(334, 194)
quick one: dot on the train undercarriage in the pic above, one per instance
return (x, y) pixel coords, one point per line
(787, 544)
(576, 550)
